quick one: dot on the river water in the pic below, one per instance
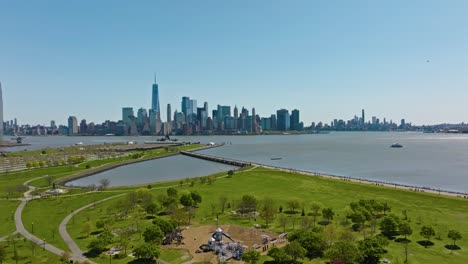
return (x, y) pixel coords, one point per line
(426, 160)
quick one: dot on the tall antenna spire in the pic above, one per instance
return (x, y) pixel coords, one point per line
(154, 77)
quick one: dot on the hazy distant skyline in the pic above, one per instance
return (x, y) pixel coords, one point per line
(329, 59)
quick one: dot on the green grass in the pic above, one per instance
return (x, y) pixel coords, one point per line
(45, 215)
(442, 212)
(7, 225)
(25, 250)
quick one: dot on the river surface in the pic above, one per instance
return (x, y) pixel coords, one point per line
(158, 170)
(426, 160)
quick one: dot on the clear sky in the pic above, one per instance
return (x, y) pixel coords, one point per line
(329, 59)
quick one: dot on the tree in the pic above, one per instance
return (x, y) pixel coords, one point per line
(389, 226)
(3, 254)
(49, 180)
(405, 229)
(86, 229)
(222, 201)
(153, 234)
(278, 255)
(268, 210)
(295, 250)
(96, 246)
(171, 192)
(66, 256)
(386, 207)
(345, 252)
(315, 207)
(454, 235)
(371, 249)
(293, 205)
(312, 240)
(146, 251)
(248, 204)
(328, 214)
(104, 183)
(427, 232)
(251, 256)
(165, 225)
(100, 224)
(283, 221)
(196, 197)
(152, 208)
(230, 173)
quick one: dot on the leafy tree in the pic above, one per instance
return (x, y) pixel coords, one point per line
(248, 204)
(427, 232)
(153, 234)
(283, 221)
(152, 208)
(147, 251)
(312, 240)
(171, 192)
(100, 224)
(268, 210)
(295, 250)
(389, 225)
(86, 228)
(345, 252)
(196, 197)
(405, 229)
(96, 246)
(358, 218)
(371, 249)
(278, 255)
(328, 214)
(293, 205)
(165, 225)
(315, 207)
(251, 256)
(454, 235)
(187, 200)
(230, 173)
(386, 207)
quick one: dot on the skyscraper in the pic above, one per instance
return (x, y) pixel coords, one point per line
(1, 113)
(363, 118)
(169, 113)
(186, 106)
(127, 115)
(72, 125)
(155, 99)
(295, 120)
(283, 120)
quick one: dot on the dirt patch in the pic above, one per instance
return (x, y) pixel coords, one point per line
(194, 237)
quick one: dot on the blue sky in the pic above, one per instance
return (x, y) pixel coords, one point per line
(327, 58)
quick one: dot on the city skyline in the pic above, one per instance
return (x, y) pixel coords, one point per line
(328, 59)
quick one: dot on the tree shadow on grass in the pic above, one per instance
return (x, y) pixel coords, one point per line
(425, 243)
(452, 247)
(95, 233)
(142, 261)
(324, 223)
(92, 254)
(402, 240)
(149, 217)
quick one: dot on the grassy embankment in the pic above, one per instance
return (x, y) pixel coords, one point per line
(443, 213)
(28, 253)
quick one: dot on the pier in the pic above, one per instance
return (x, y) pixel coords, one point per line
(237, 163)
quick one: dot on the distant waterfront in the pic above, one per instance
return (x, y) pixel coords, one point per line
(426, 160)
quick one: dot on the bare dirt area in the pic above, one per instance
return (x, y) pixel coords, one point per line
(194, 237)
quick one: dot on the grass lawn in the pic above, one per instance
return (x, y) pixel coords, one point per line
(7, 225)
(28, 253)
(442, 212)
(45, 215)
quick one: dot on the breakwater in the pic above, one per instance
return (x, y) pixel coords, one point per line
(237, 163)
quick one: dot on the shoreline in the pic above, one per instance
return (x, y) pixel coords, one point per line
(407, 187)
(96, 170)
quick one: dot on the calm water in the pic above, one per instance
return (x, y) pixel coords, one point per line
(432, 160)
(165, 169)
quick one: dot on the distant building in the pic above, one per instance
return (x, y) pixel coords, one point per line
(1, 113)
(127, 116)
(142, 114)
(83, 127)
(295, 122)
(155, 96)
(283, 120)
(169, 112)
(72, 125)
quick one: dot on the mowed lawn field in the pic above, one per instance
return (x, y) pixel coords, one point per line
(443, 213)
